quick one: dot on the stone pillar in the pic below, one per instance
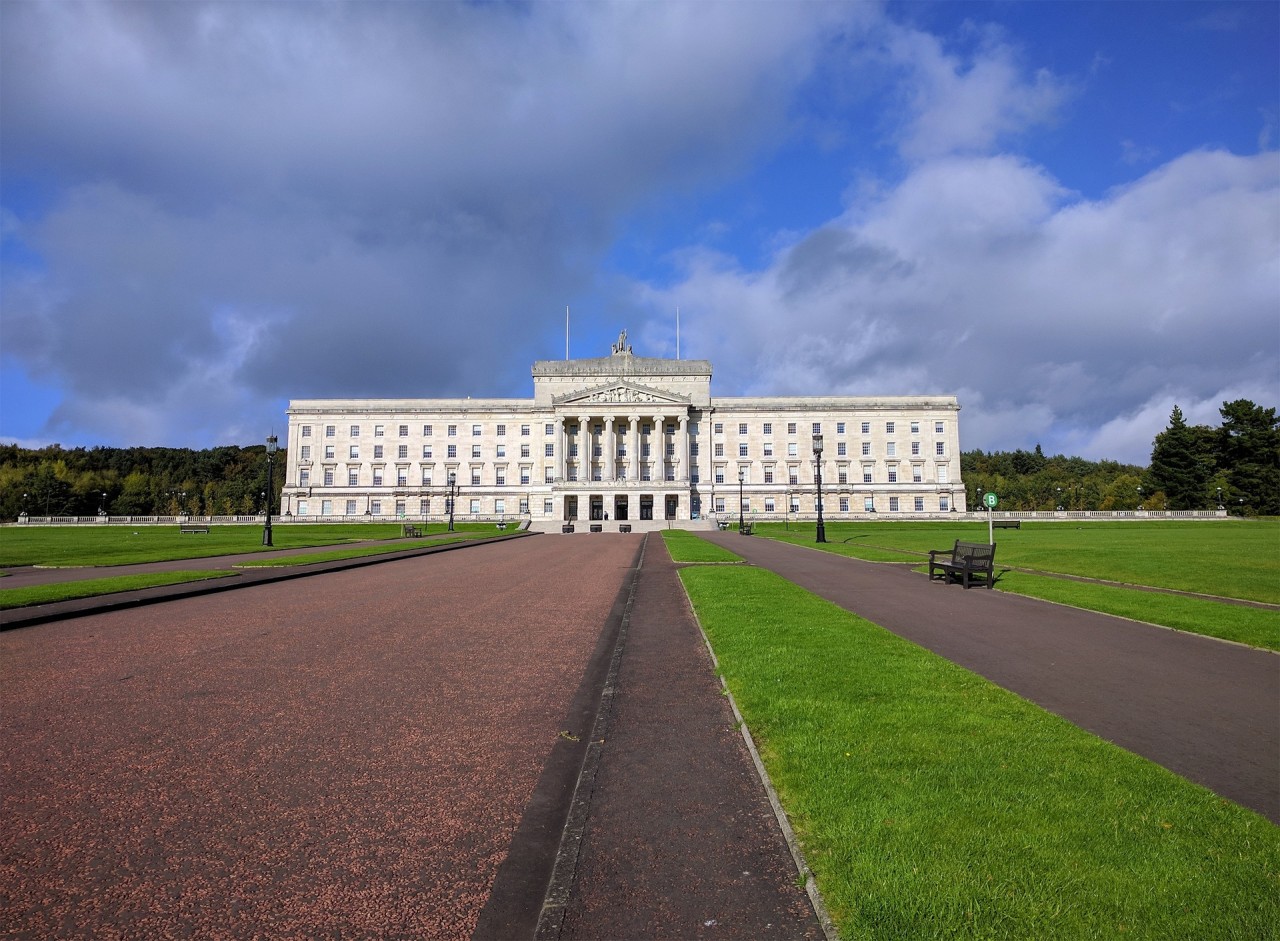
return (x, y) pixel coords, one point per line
(609, 456)
(682, 447)
(584, 449)
(633, 451)
(562, 448)
(660, 437)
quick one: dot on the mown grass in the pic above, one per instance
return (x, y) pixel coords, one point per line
(1257, 627)
(933, 804)
(685, 546)
(88, 588)
(311, 558)
(1234, 559)
(123, 545)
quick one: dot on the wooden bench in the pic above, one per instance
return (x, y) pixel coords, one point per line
(194, 528)
(624, 527)
(597, 527)
(566, 528)
(964, 562)
(747, 529)
(1006, 524)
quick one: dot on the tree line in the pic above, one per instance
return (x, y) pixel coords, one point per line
(1193, 467)
(57, 481)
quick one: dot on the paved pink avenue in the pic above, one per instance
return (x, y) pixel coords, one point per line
(339, 756)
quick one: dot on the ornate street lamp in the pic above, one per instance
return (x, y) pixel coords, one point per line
(453, 493)
(817, 458)
(272, 447)
(742, 478)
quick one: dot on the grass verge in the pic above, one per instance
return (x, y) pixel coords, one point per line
(685, 546)
(88, 588)
(933, 804)
(1257, 627)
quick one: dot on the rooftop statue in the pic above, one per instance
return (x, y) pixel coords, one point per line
(621, 348)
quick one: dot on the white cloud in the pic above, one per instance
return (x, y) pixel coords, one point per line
(1048, 313)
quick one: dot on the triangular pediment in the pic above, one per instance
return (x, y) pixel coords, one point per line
(621, 393)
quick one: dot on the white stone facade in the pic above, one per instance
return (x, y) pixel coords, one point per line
(632, 437)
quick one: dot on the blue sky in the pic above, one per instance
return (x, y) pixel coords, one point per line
(1067, 214)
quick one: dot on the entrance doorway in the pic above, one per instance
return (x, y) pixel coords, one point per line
(620, 508)
(646, 506)
(597, 508)
(571, 508)
(673, 506)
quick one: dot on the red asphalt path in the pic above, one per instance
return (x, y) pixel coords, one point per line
(343, 756)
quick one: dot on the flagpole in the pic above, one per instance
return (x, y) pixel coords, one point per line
(566, 331)
(677, 332)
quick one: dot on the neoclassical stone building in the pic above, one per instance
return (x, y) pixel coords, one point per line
(620, 438)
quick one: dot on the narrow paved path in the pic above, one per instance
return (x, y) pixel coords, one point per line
(1205, 709)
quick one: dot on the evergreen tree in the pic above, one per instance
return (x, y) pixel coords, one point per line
(1182, 463)
(1249, 456)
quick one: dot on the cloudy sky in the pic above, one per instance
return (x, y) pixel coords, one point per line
(1067, 214)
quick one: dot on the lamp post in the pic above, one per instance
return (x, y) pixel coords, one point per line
(817, 460)
(742, 478)
(453, 490)
(272, 447)
(1219, 489)
(786, 512)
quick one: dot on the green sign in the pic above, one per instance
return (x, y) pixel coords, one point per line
(990, 500)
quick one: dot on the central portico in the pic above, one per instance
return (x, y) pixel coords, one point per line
(625, 431)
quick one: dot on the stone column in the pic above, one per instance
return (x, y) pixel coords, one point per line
(610, 451)
(584, 449)
(633, 452)
(562, 448)
(682, 447)
(660, 437)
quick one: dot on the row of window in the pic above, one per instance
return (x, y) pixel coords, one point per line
(842, 450)
(896, 505)
(890, 427)
(549, 429)
(842, 476)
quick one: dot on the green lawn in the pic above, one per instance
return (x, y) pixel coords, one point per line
(91, 587)
(686, 546)
(122, 545)
(932, 804)
(1234, 559)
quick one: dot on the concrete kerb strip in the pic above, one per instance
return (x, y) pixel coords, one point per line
(14, 618)
(797, 854)
(564, 874)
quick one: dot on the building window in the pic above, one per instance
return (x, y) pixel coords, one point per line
(402, 451)
(742, 428)
(719, 504)
(938, 448)
(866, 475)
(375, 507)
(400, 508)
(475, 506)
(866, 427)
(377, 431)
(919, 504)
(377, 452)
(868, 504)
(888, 427)
(304, 477)
(500, 507)
(427, 431)
(426, 477)
(795, 504)
(353, 452)
(768, 427)
(548, 475)
(500, 478)
(477, 431)
(792, 449)
(719, 475)
(549, 450)
(768, 449)
(548, 506)
(839, 427)
(768, 475)
(793, 477)
(893, 476)
(891, 449)
(453, 431)
(402, 477)
(355, 431)
(843, 477)
(719, 449)
(768, 504)
(719, 428)
(328, 476)
(844, 504)
(475, 477)
(943, 474)
(917, 474)
(306, 452)
(328, 452)
(937, 428)
(791, 427)
(451, 451)
(502, 451)
(944, 504)
(426, 450)
(351, 507)
(817, 428)
(330, 431)
(502, 431)
(404, 431)
(841, 449)
(524, 475)
(866, 449)
(893, 504)
(742, 450)
(306, 431)
(424, 506)
(915, 428)
(377, 476)
(475, 451)
(915, 447)
(550, 428)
